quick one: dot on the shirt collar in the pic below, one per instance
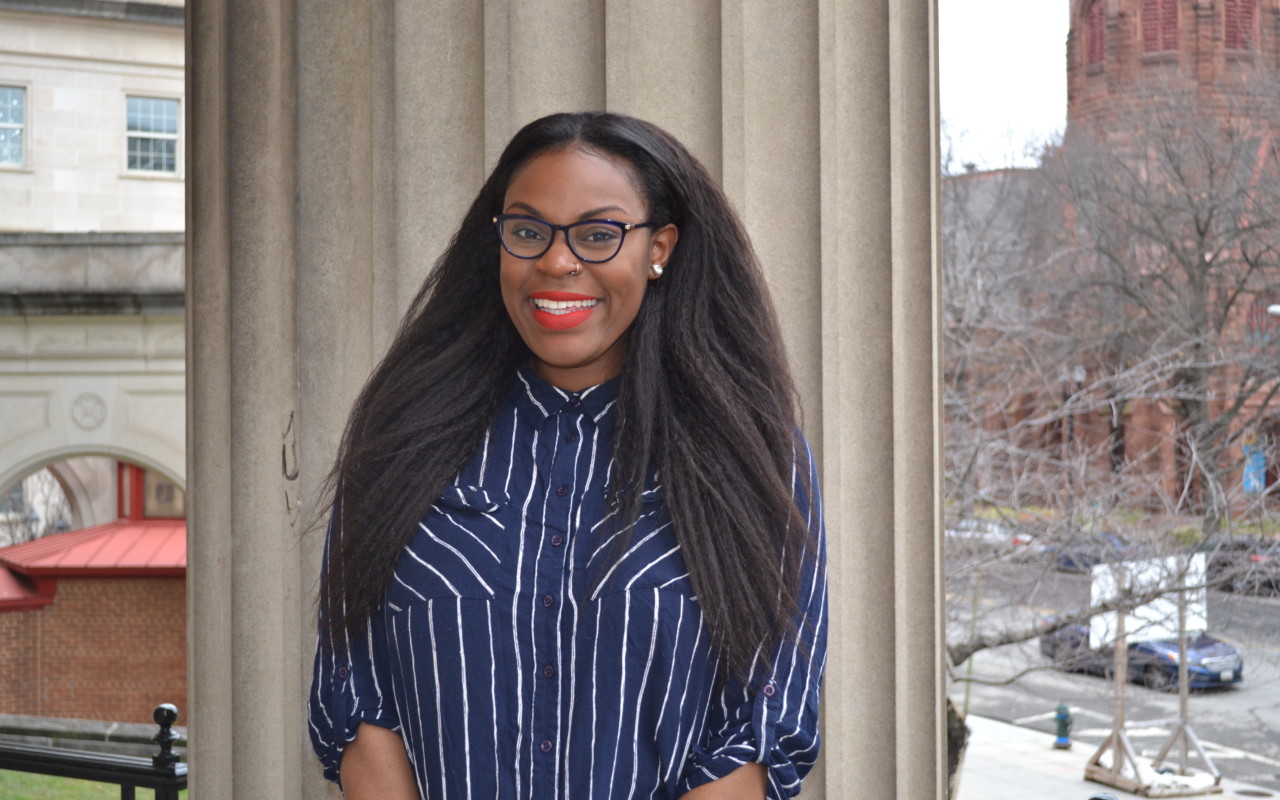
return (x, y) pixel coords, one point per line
(536, 399)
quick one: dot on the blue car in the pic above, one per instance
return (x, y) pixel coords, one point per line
(1211, 663)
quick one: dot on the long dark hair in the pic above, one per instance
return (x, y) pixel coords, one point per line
(706, 399)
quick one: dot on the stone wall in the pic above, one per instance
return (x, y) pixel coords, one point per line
(76, 71)
(91, 263)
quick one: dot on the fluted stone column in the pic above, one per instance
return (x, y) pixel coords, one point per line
(334, 147)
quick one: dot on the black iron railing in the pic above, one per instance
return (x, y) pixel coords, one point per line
(163, 772)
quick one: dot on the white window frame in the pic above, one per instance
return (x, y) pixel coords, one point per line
(24, 126)
(177, 137)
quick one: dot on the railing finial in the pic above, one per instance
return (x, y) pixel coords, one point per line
(165, 715)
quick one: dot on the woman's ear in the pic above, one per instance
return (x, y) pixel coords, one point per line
(661, 245)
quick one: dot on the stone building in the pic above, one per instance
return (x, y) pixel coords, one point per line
(92, 361)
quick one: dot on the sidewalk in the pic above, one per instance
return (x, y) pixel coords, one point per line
(1009, 762)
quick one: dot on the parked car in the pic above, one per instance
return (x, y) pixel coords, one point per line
(1244, 564)
(1211, 663)
(1081, 552)
(986, 534)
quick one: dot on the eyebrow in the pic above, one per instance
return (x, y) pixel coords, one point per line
(591, 214)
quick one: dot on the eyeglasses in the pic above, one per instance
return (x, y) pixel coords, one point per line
(592, 240)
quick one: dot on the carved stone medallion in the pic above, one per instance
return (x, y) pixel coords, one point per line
(88, 411)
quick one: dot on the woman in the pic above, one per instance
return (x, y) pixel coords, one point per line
(576, 547)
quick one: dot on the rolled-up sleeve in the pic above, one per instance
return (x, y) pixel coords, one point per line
(349, 685)
(772, 719)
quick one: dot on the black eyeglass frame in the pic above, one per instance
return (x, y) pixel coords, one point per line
(623, 227)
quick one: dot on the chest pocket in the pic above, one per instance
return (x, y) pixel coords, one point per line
(458, 550)
(649, 559)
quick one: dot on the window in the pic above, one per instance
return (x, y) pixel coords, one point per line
(162, 497)
(13, 114)
(153, 134)
(1159, 25)
(1238, 31)
(1095, 33)
(143, 494)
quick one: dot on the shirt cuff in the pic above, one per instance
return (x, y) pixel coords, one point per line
(753, 741)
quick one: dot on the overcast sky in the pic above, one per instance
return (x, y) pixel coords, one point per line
(1002, 70)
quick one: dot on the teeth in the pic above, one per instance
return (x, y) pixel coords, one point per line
(562, 306)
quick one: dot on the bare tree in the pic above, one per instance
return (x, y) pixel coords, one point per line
(1106, 343)
(35, 508)
(1176, 225)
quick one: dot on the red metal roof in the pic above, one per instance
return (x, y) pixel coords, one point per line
(148, 548)
(20, 594)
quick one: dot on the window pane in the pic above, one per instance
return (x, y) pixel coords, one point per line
(10, 146)
(153, 155)
(162, 498)
(152, 115)
(12, 103)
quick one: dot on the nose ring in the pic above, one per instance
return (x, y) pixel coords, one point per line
(577, 268)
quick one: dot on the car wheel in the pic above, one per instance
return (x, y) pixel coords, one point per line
(1155, 678)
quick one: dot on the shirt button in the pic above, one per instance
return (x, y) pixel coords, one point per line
(549, 671)
(342, 672)
(545, 746)
(571, 437)
(575, 401)
(556, 540)
(768, 690)
(548, 601)
(562, 491)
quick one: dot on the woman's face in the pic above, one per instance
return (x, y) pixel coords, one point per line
(585, 346)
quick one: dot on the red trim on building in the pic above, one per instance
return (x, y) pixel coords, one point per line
(19, 593)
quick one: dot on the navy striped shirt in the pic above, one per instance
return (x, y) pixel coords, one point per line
(517, 661)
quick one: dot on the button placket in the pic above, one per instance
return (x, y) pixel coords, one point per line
(560, 501)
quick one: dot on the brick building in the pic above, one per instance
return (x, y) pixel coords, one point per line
(94, 620)
(1121, 53)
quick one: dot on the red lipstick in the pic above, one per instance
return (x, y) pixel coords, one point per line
(562, 318)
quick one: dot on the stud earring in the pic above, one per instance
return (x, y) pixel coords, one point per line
(657, 270)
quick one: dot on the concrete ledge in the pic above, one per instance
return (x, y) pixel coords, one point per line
(77, 304)
(92, 263)
(61, 731)
(89, 239)
(152, 13)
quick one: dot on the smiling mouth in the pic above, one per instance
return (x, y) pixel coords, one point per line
(562, 307)
(560, 311)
